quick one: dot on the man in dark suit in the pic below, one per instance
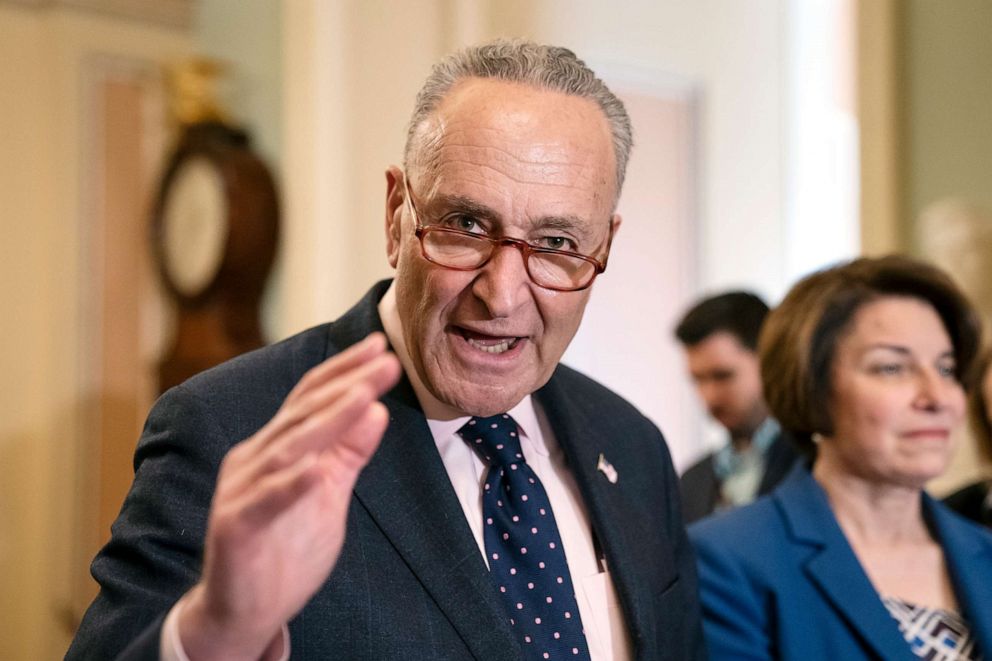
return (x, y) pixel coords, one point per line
(720, 337)
(327, 497)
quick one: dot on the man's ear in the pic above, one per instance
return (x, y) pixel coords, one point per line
(615, 221)
(394, 213)
(616, 224)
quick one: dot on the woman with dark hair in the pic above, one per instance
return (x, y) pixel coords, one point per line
(849, 558)
(975, 500)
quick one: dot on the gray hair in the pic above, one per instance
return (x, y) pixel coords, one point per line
(519, 61)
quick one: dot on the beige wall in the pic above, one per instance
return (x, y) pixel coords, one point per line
(947, 73)
(33, 399)
(44, 59)
(351, 71)
(879, 108)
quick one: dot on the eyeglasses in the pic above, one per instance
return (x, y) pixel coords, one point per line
(460, 250)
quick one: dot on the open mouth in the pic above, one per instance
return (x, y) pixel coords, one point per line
(490, 343)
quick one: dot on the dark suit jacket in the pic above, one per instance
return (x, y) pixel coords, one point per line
(700, 487)
(779, 580)
(972, 502)
(410, 582)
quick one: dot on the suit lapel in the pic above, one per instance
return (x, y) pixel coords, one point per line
(406, 490)
(835, 570)
(637, 567)
(779, 460)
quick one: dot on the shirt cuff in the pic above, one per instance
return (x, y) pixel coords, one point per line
(170, 646)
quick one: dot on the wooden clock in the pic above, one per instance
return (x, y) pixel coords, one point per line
(215, 224)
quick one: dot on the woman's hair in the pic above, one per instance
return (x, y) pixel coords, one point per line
(800, 336)
(981, 426)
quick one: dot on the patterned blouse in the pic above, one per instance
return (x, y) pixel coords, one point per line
(934, 634)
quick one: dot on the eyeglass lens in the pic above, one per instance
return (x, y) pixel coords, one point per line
(457, 250)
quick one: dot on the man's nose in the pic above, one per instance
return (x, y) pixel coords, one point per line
(503, 284)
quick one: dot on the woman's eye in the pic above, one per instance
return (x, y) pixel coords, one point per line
(948, 371)
(888, 369)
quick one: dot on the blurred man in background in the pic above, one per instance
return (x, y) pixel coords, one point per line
(720, 338)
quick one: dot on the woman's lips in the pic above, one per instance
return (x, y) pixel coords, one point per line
(928, 433)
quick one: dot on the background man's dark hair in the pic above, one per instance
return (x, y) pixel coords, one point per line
(739, 313)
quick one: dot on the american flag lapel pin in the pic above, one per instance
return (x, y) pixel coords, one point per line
(607, 469)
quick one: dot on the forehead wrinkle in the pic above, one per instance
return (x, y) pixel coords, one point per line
(488, 174)
(485, 174)
(478, 114)
(541, 165)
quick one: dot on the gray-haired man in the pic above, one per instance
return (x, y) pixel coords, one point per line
(326, 496)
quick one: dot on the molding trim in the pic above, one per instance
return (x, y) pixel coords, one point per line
(882, 149)
(162, 13)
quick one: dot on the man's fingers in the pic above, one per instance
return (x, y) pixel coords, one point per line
(276, 492)
(309, 437)
(319, 433)
(321, 409)
(359, 442)
(341, 363)
(330, 424)
(380, 371)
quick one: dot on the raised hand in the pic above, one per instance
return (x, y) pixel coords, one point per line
(277, 521)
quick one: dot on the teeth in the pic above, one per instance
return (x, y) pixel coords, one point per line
(491, 348)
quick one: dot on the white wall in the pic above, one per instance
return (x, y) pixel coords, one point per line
(822, 180)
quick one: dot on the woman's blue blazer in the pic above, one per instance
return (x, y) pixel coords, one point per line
(779, 580)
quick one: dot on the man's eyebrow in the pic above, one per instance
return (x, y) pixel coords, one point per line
(562, 223)
(447, 203)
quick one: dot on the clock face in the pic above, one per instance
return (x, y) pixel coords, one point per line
(194, 226)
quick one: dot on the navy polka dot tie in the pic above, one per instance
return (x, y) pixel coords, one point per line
(526, 558)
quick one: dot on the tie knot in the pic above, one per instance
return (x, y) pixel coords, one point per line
(495, 439)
